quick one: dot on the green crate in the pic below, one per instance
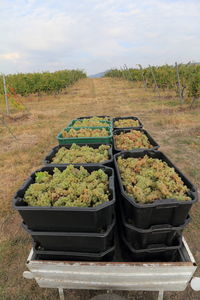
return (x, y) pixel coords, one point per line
(104, 124)
(101, 139)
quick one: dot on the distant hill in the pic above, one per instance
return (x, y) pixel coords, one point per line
(195, 63)
(98, 75)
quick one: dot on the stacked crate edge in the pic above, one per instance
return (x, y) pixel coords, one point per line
(104, 140)
(73, 241)
(70, 255)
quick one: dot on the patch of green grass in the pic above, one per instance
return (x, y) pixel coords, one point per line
(3, 276)
(178, 151)
(158, 123)
(172, 103)
(193, 172)
(184, 141)
(165, 141)
(4, 249)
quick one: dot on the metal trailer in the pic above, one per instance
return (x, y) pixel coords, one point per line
(140, 276)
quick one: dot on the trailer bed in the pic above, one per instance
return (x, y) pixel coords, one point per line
(115, 275)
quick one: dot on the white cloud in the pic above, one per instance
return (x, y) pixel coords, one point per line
(96, 35)
(11, 56)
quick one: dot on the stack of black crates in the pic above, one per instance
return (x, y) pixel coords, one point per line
(72, 233)
(149, 232)
(144, 232)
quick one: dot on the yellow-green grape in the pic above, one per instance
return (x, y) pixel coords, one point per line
(126, 123)
(37, 195)
(91, 122)
(81, 154)
(85, 132)
(148, 179)
(73, 187)
(132, 140)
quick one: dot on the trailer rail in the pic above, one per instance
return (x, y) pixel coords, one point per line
(156, 276)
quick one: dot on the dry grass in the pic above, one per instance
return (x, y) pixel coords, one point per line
(176, 129)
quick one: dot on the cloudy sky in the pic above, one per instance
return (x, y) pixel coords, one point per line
(95, 35)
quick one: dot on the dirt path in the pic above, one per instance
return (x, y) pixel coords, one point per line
(177, 130)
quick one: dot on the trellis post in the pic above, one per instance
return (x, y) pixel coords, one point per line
(5, 94)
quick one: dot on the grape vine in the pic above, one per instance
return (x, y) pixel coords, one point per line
(37, 83)
(166, 78)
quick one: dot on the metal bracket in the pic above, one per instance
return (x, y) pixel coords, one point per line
(61, 294)
(28, 275)
(160, 295)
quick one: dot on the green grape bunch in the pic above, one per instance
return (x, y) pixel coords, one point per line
(126, 123)
(148, 179)
(81, 154)
(90, 122)
(132, 140)
(73, 187)
(85, 132)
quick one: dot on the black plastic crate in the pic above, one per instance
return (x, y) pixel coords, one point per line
(73, 241)
(74, 256)
(162, 211)
(157, 235)
(157, 254)
(124, 255)
(125, 118)
(48, 159)
(154, 144)
(71, 219)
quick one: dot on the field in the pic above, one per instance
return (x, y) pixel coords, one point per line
(175, 128)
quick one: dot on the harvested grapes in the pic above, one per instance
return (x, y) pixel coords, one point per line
(81, 154)
(72, 187)
(85, 132)
(91, 122)
(132, 140)
(148, 179)
(122, 123)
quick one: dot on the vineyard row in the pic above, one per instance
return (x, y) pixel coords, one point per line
(37, 83)
(184, 79)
